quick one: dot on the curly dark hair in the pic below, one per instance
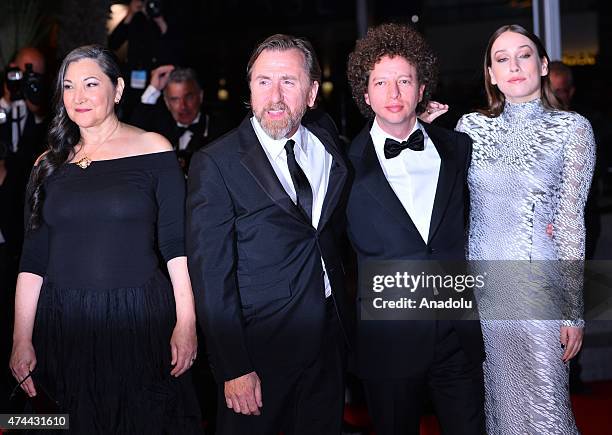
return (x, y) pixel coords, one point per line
(391, 40)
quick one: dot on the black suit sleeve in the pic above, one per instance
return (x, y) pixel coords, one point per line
(212, 258)
(467, 149)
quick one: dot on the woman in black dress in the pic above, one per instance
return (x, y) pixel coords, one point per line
(97, 324)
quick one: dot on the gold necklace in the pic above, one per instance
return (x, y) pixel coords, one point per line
(85, 161)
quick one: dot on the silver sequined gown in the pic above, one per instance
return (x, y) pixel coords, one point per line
(530, 167)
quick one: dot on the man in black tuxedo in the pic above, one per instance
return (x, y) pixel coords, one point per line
(265, 210)
(407, 203)
(180, 118)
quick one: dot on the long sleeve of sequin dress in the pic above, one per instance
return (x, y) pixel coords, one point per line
(530, 167)
(106, 312)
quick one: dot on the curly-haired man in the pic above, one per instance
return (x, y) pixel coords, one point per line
(407, 203)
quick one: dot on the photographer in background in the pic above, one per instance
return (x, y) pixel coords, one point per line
(154, 36)
(6, 291)
(180, 118)
(24, 102)
(23, 128)
(23, 110)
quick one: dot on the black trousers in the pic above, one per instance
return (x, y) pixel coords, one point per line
(454, 383)
(304, 400)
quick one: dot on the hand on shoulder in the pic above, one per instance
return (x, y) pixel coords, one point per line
(434, 109)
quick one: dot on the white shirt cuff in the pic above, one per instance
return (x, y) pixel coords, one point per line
(150, 95)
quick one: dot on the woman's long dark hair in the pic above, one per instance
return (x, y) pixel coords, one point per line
(495, 98)
(63, 134)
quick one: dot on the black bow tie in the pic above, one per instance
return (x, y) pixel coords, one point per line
(416, 142)
(182, 130)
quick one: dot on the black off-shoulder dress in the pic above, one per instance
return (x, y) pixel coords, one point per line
(106, 312)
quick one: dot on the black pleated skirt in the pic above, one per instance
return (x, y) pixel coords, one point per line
(104, 356)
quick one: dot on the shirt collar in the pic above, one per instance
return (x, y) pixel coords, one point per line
(195, 121)
(276, 147)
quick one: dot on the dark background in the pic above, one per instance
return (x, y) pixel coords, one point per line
(220, 34)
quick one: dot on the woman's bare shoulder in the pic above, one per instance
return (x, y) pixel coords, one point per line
(145, 142)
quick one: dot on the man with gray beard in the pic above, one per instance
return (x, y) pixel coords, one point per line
(265, 208)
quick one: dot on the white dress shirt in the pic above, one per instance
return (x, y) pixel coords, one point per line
(150, 95)
(413, 175)
(314, 160)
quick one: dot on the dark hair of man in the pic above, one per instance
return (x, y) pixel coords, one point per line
(558, 67)
(495, 98)
(280, 42)
(64, 134)
(183, 75)
(390, 40)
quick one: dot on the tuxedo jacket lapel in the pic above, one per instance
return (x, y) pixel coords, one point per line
(337, 176)
(446, 179)
(256, 162)
(377, 185)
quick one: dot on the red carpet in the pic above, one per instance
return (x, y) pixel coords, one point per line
(593, 412)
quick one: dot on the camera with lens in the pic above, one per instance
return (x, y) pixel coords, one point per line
(26, 85)
(153, 8)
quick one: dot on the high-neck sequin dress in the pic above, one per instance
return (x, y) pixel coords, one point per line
(530, 167)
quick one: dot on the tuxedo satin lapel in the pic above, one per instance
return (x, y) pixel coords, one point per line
(377, 185)
(446, 179)
(256, 162)
(337, 179)
(337, 175)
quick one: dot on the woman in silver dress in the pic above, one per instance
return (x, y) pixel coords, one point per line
(531, 171)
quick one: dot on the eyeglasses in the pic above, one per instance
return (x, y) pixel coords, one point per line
(43, 402)
(18, 386)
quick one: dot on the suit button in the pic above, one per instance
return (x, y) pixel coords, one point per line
(431, 250)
